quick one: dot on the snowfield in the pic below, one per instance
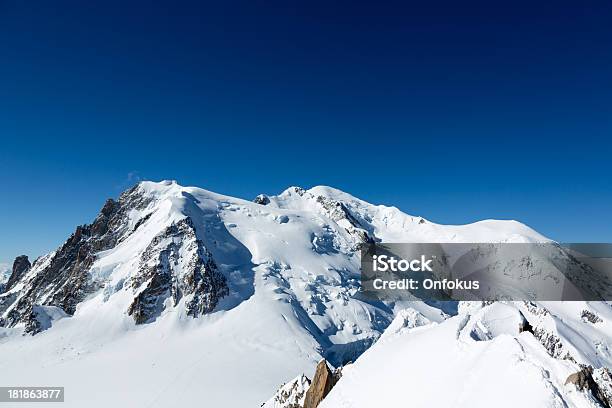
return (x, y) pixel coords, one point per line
(475, 359)
(284, 276)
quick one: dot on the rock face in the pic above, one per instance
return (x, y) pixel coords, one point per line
(20, 266)
(262, 199)
(525, 326)
(290, 395)
(550, 339)
(601, 390)
(603, 379)
(303, 393)
(583, 379)
(588, 316)
(175, 264)
(322, 383)
(339, 212)
(63, 277)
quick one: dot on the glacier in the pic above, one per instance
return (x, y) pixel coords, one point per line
(180, 296)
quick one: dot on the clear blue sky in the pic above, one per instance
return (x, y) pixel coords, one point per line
(455, 111)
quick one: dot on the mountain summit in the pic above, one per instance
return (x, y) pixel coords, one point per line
(194, 294)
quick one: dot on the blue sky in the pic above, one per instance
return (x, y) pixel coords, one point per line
(453, 111)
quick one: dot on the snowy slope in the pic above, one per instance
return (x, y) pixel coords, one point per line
(176, 294)
(479, 358)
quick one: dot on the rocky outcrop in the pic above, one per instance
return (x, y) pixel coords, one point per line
(590, 317)
(262, 199)
(20, 266)
(63, 279)
(525, 326)
(290, 395)
(600, 389)
(303, 393)
(322, 383)
(603, 379)
(340, 213)
(177, 265)
(583, 379)
(174, 265)
(552, 342)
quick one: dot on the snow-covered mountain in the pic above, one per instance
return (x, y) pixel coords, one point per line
(486, 356)
(177, 295)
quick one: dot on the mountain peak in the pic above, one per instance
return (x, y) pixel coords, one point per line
(193, 273)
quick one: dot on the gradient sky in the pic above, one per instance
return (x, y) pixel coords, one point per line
(455, 111)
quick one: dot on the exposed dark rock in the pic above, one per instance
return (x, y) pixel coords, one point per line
(591, 317)
(603, 379)
(32, 324)
(584, 381)
(142, 221)
(535, 309)
(298, 190)
(176, 264)
(262, 199)
(338, 211)
(20, 266)
(63, 279)
(322, 383)
(524, 326)
(292, 394)
(551, 342)
(148, 303)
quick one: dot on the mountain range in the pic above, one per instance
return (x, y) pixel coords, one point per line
(178, 296)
